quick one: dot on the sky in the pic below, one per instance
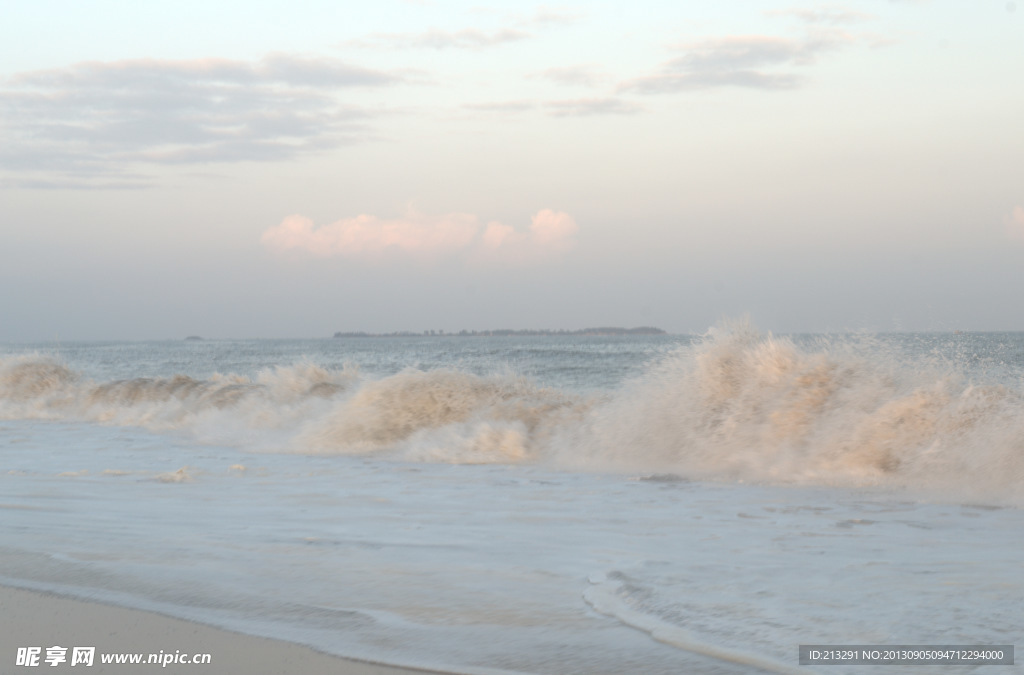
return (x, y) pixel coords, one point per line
(278, 170)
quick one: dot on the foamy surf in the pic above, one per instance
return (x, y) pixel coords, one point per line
(741, 405)
(735, 405)
(603, 595)
(427, 506)
(441, 415)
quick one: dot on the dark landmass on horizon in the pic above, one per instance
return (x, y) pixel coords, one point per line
(508, 332)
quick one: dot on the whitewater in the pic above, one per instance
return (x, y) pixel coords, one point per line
(654, 504)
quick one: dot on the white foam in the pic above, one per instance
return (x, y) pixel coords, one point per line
(736, 405)
(602, 597)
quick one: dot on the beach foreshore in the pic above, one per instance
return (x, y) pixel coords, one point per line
(33, 619)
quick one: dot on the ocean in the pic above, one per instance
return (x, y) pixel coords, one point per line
(656, 504)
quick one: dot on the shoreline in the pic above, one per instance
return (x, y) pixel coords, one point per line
(43, 619)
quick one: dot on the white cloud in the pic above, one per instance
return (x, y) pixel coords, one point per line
(89, 122)
(551, 234)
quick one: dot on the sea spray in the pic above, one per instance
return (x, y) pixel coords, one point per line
(741, 405)
(441, 415)
(737, 404)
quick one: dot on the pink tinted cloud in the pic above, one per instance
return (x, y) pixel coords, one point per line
(551, 233)
(497, 235)
(553, 230)
(366, 234)
(1015, 224)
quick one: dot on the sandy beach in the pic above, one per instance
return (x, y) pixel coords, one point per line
(32, 619)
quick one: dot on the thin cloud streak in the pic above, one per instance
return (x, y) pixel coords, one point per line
(516, 29)
(587, 107)
(738, 61)
(501, 106)
(831, 16)
(544, 17)
(435, 38)
(578, 76)
(150, 73)
(579, 107)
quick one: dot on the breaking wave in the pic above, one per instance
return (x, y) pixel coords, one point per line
(39, 387)
(741, 405)
(736, 405)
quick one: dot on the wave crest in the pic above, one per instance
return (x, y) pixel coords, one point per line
(497, 415)
(742, 405)
(736, 405)
(23, 378)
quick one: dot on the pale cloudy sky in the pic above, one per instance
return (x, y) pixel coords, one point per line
(269, 169)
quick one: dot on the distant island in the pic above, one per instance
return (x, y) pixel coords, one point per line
(507, 332)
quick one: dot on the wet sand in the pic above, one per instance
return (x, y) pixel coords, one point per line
(33, 619)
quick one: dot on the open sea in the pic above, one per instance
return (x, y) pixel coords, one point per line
(555, 505)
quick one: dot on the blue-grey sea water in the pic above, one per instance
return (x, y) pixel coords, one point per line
(655, 504)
